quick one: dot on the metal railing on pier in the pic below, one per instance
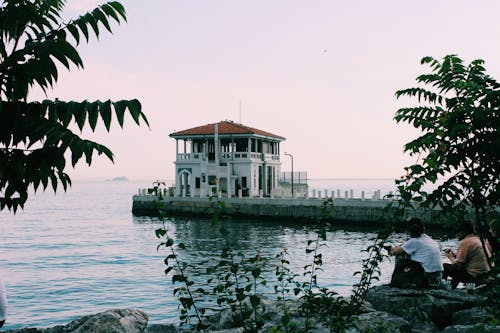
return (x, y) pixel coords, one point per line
(299, 177)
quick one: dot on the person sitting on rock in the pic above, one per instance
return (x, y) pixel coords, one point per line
(423, 249)
(3, 303)
(493, 241)
(470, 264)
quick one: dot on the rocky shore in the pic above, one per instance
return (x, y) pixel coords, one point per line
(386, 310)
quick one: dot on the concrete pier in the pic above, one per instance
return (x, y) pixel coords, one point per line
(362, 212)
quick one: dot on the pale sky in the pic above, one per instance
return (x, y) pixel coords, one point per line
(322, 74)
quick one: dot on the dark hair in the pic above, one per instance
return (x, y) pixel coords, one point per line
(415, 227)
(466, 227)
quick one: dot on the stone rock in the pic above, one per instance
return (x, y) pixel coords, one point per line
(483, 328)
(425, 309)
(116, 321)
(163, 328)
(370, 321)
(470, 316)
(110, 321)
(272, 314)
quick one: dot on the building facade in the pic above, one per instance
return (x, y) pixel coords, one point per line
(227, 158)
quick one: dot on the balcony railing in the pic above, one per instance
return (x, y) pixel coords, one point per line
(189, 156)
(225, 156)
(271, 157)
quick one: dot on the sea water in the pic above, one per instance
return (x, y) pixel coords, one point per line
(81, 252)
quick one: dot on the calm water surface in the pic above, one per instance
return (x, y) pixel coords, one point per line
(83, 252)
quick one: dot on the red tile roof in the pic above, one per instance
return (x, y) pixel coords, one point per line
(225, 127)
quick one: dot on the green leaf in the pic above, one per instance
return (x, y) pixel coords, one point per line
(178, 278)
(160, 233)
(88, 150)
(82, 24)
(76, 152)
(134, 107)
(120, 108)
(170, 256)
(118, 7)
(79, 111)
(100, 15)
(105, 110)
(91, 20)
(254, 300)
(74, 32)
(71, 53)
(256, 272)
(93, 114)
(110, 12)
(105, 150)
(56, 53)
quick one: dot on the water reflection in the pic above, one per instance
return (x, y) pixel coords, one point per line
(342, 251)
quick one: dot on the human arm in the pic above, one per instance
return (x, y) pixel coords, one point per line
(489, 247)
(451, 255)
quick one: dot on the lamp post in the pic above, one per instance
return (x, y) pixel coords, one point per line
(291, 156)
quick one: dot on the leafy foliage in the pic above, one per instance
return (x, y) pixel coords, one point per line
(371, 270)
(191, 314)
(459, 117)
(35, 136)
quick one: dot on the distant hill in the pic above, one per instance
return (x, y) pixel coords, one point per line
(118, 179)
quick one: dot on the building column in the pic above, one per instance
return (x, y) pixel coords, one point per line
(273, 178)
(264, 178)
(232, 148)
(205, 150)
(228, 181)
(177, 184)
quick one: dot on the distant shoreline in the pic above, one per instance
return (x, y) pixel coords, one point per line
(172, 180)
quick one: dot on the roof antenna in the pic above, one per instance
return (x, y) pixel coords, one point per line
(240, 111)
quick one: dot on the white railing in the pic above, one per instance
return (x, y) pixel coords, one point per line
(256, 156)
(279, 192)
(228, 156)
(234, 155)
(189, 156)
(238, 155)
(183, 156)
(271, 157)
(350, 194)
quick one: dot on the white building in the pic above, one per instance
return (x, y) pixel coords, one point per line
(228, 158)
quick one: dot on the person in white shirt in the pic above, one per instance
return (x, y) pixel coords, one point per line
(423, 249)
(3, 303)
